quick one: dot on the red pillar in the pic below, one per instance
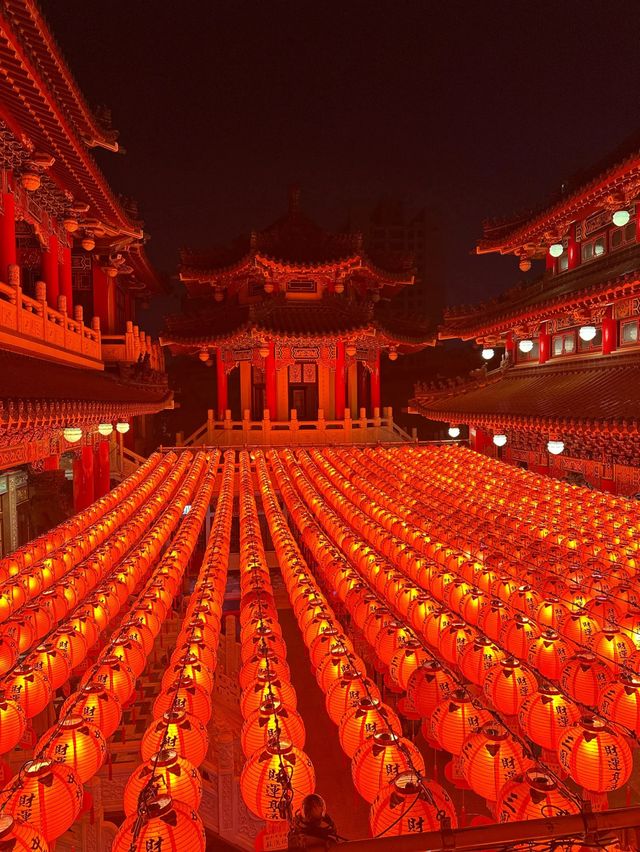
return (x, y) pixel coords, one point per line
(573, 249)
(608, 485)
(609, 332)
(479, 440)
(101, 470)
(221, 382)
(510, 347)
(363, 396)
(51, 463)
(66, 287)
(270, 381)
(78, 485)
(375, 383)
(544, 343)
(8, 254)
(340, 384)
(50, 271)
(100, 299)
(87, 468)
(550, 263)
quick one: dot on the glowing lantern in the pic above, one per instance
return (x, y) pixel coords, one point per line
(548, 653)
(77, 744)
(116, 677)
(263, 689)
(456, 637)
(478, 657)
(167, 774)
(30, 688)
(139, 633)
(13, 723)
(261, 641)
(48, 799)
(202, 652)
(613, 646)
(428, 686)
(545, 715)
(595, 756)
(184, 694)
(190, 666)
(490, 758)
(579, 627)
(551, 613)
(620, 703)
(367, 717)
(18, 837)
(380, 759)
(435, 625)
(345, 693)
(335, 664)
(73, 643)
(54, 662)
(130, 652)
(507, 684)
(272, 722)
(322, 644)
(493, 616)
(584, 676)
(454, 719)
(408, 801)
(517, 635)
(405, 661)
(8, 654)
(166, 825)
(179, 731)
(269, 773)
(533, 795)
(95, 704)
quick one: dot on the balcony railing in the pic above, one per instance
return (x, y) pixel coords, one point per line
(130, 347)
(33, 325)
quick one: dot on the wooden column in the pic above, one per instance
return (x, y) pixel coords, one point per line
(609, 332)
(50, 271)
(363, 388)
(544, 343)
(510, 347)
(100, 297)
(375, 384)
(83, 485)
(101, 470)
(51, 463)
(282, 391)
(270, 381)
(64, 275)
(340, 381)
(245, 388)
(573, 249)
(221, 385)
(352, 388)
(8, 253)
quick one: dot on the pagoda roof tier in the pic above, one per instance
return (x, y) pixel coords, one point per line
(612, 183)
(48, 128)
(293, 245)
(602, 395)
(279, 318)
(576, 291)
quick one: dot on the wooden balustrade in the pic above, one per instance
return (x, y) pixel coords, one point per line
(128, 347)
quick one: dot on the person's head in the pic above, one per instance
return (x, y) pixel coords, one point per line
(313, 807)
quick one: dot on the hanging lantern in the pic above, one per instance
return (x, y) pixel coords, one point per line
(30, 688)
(409, 802)
(18, 837)
(367, 717)
(77, 744)
(578, 627)
(380, 759)
(271, 774)
(53, 662)
(270, 664)
(405, 662)
(428, 686)
(72, 434)
(454, 640)
(189, 666)
(595, 756)
(545, 715)
(122, 427)
(533, 795)
(166, 825)
(454, 431)
(179, 731)
(517, 635)
(96, 705)
(130, 652)
(263, 689)
(613, 646)
(393, 637)
(500, 440)
(584, 676)
(184, 694)
(271, 723)
(116, 677)
(167, 774)
(454, 719)
(340, 660)
(478, 657)
(48, 799)
(72, 642)
(548, 653)
(488, 352)
(13, 723)
(345, 693)
(507, 684)
(490, 758)
(105, 429)
(619, 703)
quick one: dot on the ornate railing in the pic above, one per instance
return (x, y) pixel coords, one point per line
(131, 346)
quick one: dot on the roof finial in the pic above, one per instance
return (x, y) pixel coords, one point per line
(294, 199)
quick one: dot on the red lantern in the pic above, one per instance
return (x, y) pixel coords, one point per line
(367, 717)
(184, 694)
(545, 714)
(48, 798)
(620, 703)
(13, 723)
(269, 773)
(408, 801)
(405, 661)
(454, 719)
(18, 837)
(548, 653)
(167, 774)
(131, 652)
(272, 722)
(263, 689)
(53, 662)
(116, 677)
(167, 825)
(613, 646)
(507, 685)
(345, 693)
(73, 643)
(478, 657)
(428, 686)
(96, 705)
(178, 731)
(517, 635)
(595, 756)
(274, 667)
(490, 758)
(30, 688)
(189, 666)
(77, 744)
(533, 795)
(380, 759)
(584, 677)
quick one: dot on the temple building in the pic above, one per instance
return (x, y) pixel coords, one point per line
(298, 317)
(565, 398)
(73, 272)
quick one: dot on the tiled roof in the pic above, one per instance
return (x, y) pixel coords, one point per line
(602, 390)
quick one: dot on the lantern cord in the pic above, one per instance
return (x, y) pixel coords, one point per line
(525, 744)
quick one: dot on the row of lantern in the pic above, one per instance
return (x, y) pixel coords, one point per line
(457, 717)
(85, 593)
(612, 605)
(73, 434)
(507, 684)
(277, 774)
(71, 529)
(387, 769)
(31, 685)
(46, 795)
(164, 793)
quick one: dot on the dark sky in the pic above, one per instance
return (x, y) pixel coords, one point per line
(473, 108)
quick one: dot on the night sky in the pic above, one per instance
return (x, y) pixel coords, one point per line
(473, 109)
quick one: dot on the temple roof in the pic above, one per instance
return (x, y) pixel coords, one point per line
(614, 180)
(614, 276)
(601, 394)
(278, 317)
